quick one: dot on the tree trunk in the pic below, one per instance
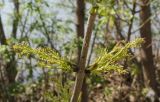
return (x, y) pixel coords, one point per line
(146, 51)
(80, 13)
(16, 18)
(10, 67)
(2, 34)
(81, 73)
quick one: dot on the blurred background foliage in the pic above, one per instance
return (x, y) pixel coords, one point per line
(48, 29)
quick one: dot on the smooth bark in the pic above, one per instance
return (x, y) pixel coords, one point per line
(80, 13)
(81, 73)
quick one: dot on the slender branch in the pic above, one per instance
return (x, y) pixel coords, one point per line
(122, 37)
(81, 73)
(23, 24)
(45, 31)
(92, 46)
(131, 21)
(118, 29)
(141, 25)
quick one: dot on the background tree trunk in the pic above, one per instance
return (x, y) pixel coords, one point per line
(2, 34)
(10, 67)
(146, 51)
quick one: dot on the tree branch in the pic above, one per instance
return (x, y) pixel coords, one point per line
(81, 73)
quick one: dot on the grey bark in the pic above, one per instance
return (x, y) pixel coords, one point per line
(146, 51)
(81, 73)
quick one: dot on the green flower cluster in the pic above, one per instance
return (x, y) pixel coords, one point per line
(46, 56)
(108, 61)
